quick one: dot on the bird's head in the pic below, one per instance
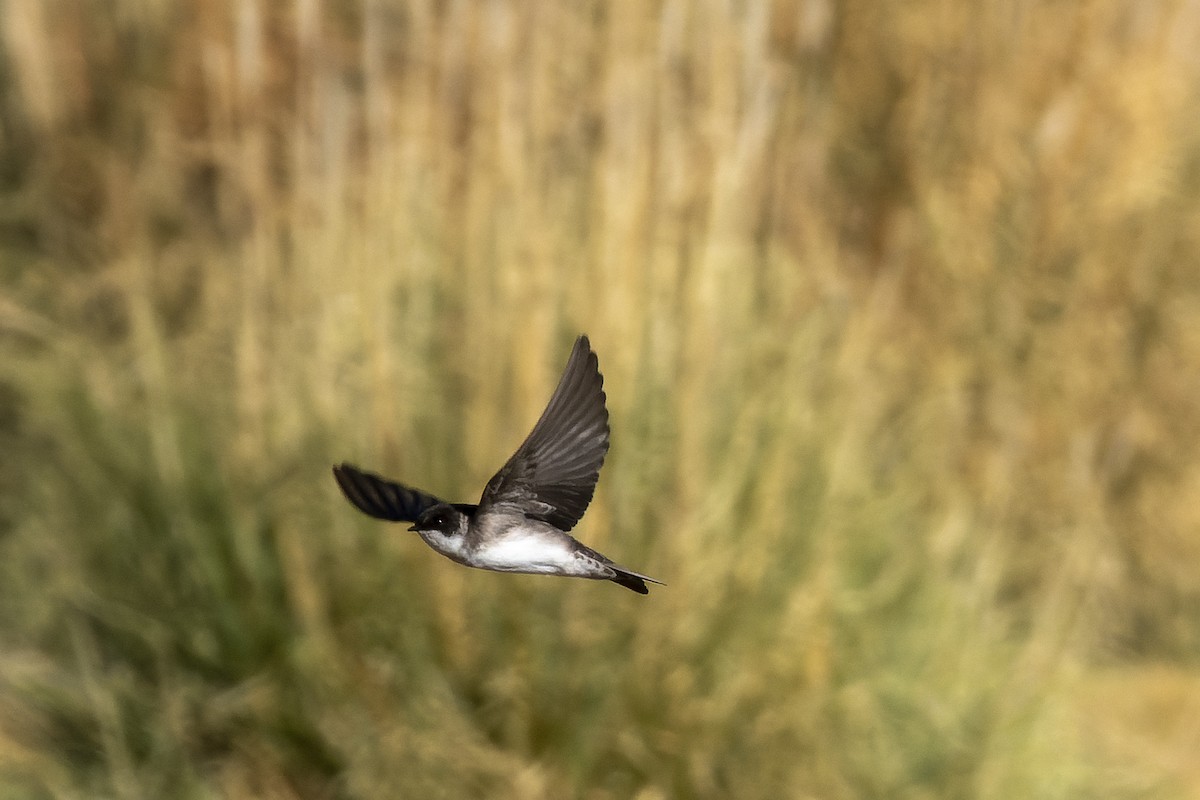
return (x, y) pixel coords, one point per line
(444, 528)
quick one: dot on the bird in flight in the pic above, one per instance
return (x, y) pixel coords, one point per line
(520, 523)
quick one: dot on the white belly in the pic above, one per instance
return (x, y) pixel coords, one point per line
(541, 554)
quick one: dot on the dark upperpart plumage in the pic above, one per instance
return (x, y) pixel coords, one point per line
(553, 474)
(383, 499)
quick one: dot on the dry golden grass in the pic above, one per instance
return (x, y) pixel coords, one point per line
(898, 308)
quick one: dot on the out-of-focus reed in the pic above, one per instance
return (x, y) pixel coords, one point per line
(897, 305)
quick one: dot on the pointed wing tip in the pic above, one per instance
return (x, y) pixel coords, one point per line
(583, 347)
(345, 474)
(347, 478)
(340, 473)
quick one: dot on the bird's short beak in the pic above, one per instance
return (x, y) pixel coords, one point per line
(413, 528)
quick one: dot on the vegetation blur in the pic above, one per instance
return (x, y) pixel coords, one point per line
(898, 306)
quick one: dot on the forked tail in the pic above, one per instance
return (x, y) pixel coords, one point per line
(632, 580)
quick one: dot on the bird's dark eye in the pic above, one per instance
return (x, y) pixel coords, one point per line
(438, 522)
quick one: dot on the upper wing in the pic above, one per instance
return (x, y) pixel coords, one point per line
(381, 498)
(553, 474)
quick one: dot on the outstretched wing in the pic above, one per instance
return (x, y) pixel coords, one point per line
(381, 498)
(553, 474)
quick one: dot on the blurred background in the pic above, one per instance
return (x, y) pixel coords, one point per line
(898, 305)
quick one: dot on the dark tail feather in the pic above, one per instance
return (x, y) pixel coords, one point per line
(633, 581)
(630, 582)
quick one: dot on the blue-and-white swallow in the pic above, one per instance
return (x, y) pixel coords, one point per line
(522, 519)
